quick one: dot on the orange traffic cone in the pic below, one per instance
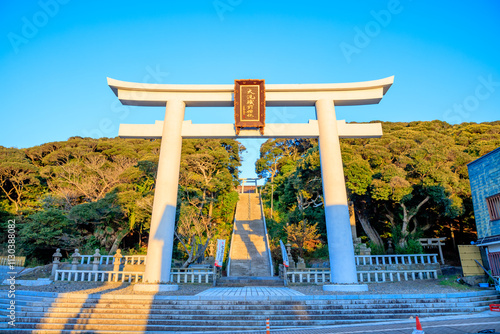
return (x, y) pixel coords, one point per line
(267, 326)
(419, 326)
(419, 329)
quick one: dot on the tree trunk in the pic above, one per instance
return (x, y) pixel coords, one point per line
(211, 207)
(369, 230)
(272, 198)
(195, 253)
(407, 217)
(119, 237)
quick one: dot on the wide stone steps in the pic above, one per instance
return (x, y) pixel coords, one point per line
(250, 281)
(254, 311)
(109, 305)
(249, 255)
(119, 314)
(246, 315)
(137, 304)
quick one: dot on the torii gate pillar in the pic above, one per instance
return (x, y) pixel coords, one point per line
(327, 128)
(338, 227)
(161, 235)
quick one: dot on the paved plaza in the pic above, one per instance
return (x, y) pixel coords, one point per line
(254, 291)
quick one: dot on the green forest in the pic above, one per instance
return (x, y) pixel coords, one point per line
(98, 193)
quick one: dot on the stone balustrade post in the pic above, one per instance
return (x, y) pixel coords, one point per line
(97, 260)
(76, 259)
(117, 260)
(291, 262)
(55, 263)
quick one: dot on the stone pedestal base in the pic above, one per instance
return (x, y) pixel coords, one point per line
(155, 287)
(345, 287)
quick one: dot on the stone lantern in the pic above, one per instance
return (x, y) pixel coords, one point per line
(97, 260)
(76, 256)
(291, 262)
(117, 259)
(55, 263)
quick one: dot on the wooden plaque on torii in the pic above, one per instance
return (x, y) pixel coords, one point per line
(249, 104)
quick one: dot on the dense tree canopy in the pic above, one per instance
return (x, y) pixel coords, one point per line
(411, 182)
(98, 193)
(90, 193)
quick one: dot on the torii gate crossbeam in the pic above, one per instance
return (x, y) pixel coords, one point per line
(171, 131)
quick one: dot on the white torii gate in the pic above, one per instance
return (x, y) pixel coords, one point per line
(171, 131)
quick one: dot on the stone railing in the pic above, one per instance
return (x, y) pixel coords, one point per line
(363, 260)
(80, 269)
(177, 275)
(322, 275)
(267, 234)
(375, 268)
(108, 259)
(191, 275)
(379, 276)
(98, 276)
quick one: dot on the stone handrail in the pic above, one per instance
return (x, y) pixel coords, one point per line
(396, 259)
(322, 275)
(267, 234)
(179, 275)
(378, 276)
(108, 259)
(228, 270)
(191, 275)
(95, 276)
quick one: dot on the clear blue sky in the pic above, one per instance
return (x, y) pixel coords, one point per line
(55, 56)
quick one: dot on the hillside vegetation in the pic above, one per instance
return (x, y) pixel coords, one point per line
(98, 193)
(412, 182)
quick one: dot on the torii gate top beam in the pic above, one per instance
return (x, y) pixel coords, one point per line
(344, 94)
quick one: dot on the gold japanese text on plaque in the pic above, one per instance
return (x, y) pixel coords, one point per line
(249, 104)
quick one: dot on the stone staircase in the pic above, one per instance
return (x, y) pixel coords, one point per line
(249, 281)
(50, 313)
(249, 250)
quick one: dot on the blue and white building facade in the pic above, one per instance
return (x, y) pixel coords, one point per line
(484, 178)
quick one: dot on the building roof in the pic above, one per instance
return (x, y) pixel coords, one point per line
(497, 150)
(494, 239)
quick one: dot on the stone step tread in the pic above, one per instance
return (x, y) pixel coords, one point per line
(229, 312)
(461, 301)
(93, 306)
(243, 261)
(174, 328)
(177, 329)
(232, 314)
(340, 298)
(257, 303)
(254, 257)
(79, 322)
(30, 295)
(283, 310)
(87, 329)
